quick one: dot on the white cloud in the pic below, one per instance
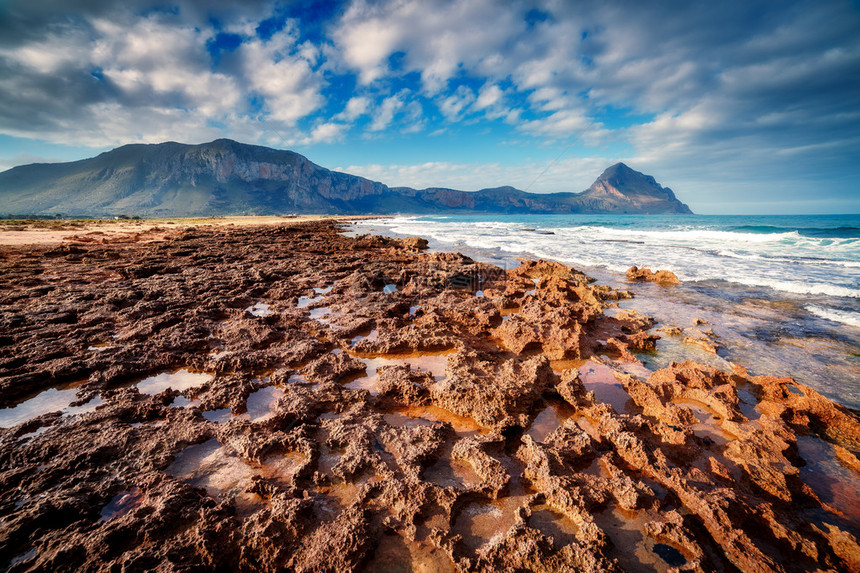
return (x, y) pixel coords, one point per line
(285, 78)
(355, 108)
(571, 175)
(436, 38)
(384, 114)
(564, 124)
(736, 90)
(453, 106)
(490, 95)
(327, 132)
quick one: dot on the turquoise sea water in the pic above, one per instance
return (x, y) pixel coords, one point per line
(782, 291)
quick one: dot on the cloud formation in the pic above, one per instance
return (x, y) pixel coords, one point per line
(709, 95)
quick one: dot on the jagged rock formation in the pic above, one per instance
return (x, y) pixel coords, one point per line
(260, 399)
(225, 177)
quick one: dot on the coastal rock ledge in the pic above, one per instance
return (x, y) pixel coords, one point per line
(288, 398)
(645, 274)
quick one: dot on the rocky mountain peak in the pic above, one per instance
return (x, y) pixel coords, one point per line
(228, 177)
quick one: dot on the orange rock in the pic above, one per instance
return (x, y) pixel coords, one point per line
(662, 277)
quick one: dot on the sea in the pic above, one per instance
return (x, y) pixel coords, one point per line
(782, 293)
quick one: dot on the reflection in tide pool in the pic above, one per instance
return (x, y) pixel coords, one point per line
(435, 363)
(50, 400)
(121, 503)
(550, 418)
(260, 309)
(225, 475)
(833, 482)
(463, 426)
(180, 380)
(600, 379)
(261, 404)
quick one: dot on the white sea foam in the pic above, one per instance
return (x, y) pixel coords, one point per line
(801, 287)
(782, 261)
(836, 315)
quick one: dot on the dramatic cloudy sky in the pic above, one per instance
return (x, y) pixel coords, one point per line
(741, 107)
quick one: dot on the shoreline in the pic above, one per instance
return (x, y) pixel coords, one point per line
(330, 401)
(48, 231)
(770, 332)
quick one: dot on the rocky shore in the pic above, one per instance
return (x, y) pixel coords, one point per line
(285, 397)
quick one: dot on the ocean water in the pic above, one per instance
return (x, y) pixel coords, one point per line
(783, 292)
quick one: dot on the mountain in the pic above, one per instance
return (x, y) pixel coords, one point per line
(620, 189)
(225, 177)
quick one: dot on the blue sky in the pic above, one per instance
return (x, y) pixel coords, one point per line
(740, 107)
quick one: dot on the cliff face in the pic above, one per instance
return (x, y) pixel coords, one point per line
(226, 177)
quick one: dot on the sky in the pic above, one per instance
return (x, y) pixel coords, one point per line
(739, 107)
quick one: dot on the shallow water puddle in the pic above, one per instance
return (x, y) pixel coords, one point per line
(388, 289)
(183, 402)
(225, 475)
(261, 405)
(413, 309)
(121, 503)
(328, 458)
(216, 354)
(37, 432)
(559, 366)
(534, 290)
(47, 401)
(600, 379)
(297, 379)
(588, 425)
(282, 467)
(320, 313)
(217, 469)
(102, 346)
(709, 421)
(553, 524)
(344, 494)
(398, 420)
(180, 380)
(550, 418)
(507, 313)
(370, 337)
(672, 348)
(747, 404)
(219, 416)
(23, 557)
(635, 552)
(260, 309)
(833, 483)
(463, 426)
(448, 472)
(434, 362)
(306, 301)
(394, 554)
(481, 521)
(89, 406)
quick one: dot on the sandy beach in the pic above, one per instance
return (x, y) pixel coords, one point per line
(271, 394)
(48, 231)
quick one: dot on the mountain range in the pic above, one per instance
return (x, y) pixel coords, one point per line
(225, 177)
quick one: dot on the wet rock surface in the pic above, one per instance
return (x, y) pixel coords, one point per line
(662, 277)
(288, 398)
